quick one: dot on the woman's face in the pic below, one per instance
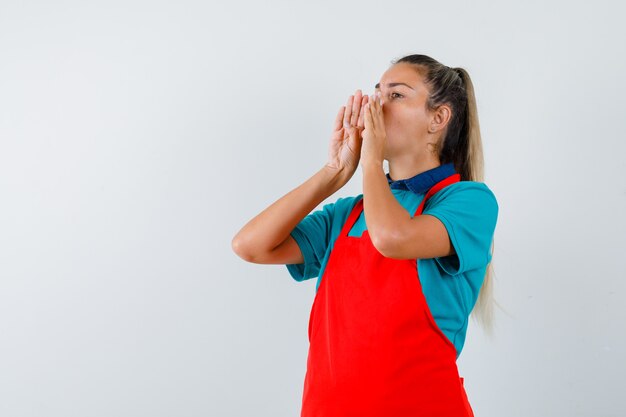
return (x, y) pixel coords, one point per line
(407, 120)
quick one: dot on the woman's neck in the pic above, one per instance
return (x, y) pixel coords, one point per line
(407, 167)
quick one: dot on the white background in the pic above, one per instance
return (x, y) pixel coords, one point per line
(136, 138)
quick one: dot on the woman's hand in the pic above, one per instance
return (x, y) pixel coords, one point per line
(374, 135)
(345, 144)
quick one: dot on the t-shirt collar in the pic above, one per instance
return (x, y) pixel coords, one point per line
(422, 182)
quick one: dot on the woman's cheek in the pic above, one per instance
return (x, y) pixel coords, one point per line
(392, 124)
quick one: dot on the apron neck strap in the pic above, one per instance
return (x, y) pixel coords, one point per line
(358, 207)
(435, 188)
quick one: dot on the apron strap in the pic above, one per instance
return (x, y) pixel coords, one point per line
(358, 207)
(354, 214)
(435, 188)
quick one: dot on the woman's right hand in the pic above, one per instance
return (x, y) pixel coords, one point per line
(344, 150)
(266, 238)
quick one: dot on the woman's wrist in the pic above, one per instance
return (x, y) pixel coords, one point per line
(373, 164)
(338, 177)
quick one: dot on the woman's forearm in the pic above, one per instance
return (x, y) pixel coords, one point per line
(383, 213)
(274, 224)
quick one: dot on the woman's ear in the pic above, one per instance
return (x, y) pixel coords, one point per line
(440, 118)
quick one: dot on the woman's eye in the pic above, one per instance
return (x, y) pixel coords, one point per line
(400, 95)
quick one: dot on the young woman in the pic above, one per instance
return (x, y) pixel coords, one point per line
(401, 266)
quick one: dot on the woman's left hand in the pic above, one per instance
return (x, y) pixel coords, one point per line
(374, 135)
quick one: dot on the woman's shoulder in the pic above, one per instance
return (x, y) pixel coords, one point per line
(468, 187)
(465, 193)
(346, 203)
(340, 208)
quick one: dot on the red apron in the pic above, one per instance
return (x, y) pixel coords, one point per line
(374, 347)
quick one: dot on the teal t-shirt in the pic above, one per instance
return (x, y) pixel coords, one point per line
(450, 284)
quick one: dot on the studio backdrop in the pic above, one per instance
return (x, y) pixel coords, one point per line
(137, 138)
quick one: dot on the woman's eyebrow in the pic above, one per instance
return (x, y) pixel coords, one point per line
(393, 85)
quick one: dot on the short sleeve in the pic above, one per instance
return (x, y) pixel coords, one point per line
(469, 211)
(312, 235)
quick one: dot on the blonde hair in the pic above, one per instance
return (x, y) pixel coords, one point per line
(462, 145)
(483, 311)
